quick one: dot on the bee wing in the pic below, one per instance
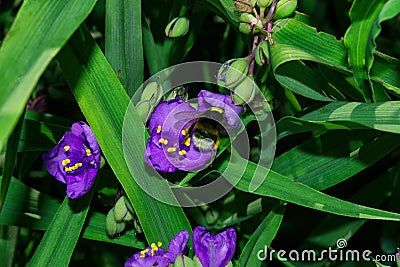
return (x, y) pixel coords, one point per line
(187, 115)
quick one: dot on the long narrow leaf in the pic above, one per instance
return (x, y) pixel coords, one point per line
(59, 241)
(262, 236)
(27, 207)
(281, 187)
(104, 102)
(9, 163)
(345, 115)
(40, 29)
(124, 47)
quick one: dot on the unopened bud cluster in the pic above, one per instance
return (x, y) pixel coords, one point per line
(256, 18)
(117, 218)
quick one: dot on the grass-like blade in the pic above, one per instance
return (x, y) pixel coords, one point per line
(262, 236)
(9, 162)
(39, 31)
(104, 102)
(326, 160)
(27, 207)
(344, 115)
(294, 40)
(281, 187)
(123, 38)
(60, 239)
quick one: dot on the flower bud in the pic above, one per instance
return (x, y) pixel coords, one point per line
(244, 92)
(121, 212)
(249, 24)
(183, 261)
(143, 108)
(129, 205)
(197, 262)
(113, 228)
(261, 55)
(212, 216)
(177, 27)
(152, 92)
(137, 227)
(264, 3)
(233, 72)
(285, 8)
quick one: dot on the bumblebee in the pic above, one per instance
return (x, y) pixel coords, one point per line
(206, 129)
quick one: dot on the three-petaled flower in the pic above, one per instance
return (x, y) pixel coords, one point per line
(155, 255)
(171, 146)
(214, 251)
(75, 160)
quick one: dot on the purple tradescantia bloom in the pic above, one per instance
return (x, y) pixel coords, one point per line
(170, 146)
(157, 256)
(214, 251)
(75, 160)
(168, 149)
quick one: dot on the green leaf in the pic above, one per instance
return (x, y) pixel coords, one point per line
(360, 40)
(344, 115)
(331, 158)
(104, 103)
(332, 227)
(281, 187)
(124, 46)
(9, 162)
(59, 241)
(294, 40)
(151, 52)
(262, 236)
(8, 244)
(39, 31)
(27, 207)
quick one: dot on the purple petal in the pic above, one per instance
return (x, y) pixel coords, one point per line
(164, 114)
(208, 99)
(177, 245)
(148, 260)
(194, 160)
(75, 160)
(156, 156)
(83, 130)
(214, 251)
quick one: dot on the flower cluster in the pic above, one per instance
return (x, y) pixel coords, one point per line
(210, 251)
(177, 142)
(75, 160)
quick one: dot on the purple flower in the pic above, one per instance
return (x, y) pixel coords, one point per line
(157, 256)
(75, 160)
(214, 251)
(171, 147)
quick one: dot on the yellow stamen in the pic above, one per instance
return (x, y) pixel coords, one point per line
(182, 152)
(163, 141)
(159, 129)
(154, 248)
(72, 168)
(65, 162)
(159, 244)
(88, 152)
(66, 148)
(187, 142)
(171, 149)
(217, 109)
(143, 253)
(183, 132)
